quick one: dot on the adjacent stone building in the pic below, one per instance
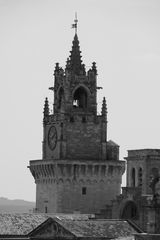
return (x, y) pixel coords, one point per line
(140, 199)
(80, 170)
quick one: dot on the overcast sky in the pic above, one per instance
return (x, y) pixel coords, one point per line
(121, 36)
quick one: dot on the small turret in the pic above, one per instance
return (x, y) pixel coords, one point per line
(68, 65)
(94, 68)
(57, 68)
(104, 109)
(46, 108)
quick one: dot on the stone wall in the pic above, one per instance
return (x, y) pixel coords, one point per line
(97, 194)
(83, 140)
(78, 137)
(85, 187)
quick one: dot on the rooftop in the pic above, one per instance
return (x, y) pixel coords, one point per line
(78, 225)
(20, 224)
(107, 228)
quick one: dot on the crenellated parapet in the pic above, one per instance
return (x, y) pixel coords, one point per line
(70, 170)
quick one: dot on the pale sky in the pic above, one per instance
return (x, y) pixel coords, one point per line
(121, 36)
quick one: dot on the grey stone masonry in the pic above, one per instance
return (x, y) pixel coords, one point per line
(80, 170)
(69, 186)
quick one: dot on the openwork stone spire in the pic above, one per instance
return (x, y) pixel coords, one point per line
(46, 107)
(74, 63)
(104, 109)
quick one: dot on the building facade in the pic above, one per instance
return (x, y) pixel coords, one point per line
(80, 170)
(139, 201)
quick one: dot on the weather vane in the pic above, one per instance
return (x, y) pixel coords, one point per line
(74, 25)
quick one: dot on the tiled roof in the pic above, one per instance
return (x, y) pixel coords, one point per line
(19, 224)
(98, 228)
(79, 225)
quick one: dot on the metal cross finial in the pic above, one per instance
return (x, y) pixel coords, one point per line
(75, 23)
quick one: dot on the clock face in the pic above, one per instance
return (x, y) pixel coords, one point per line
(52, 138)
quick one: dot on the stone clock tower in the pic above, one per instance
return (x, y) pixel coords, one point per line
(80, 170)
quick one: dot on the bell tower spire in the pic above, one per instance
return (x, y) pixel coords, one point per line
(76, 160)
(104, 109)
(74, 62)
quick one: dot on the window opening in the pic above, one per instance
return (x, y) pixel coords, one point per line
(84, 119)
(84, 190)
(71, 119)
(130, 211)
(133, 177)
(140, 177)
(80, 98)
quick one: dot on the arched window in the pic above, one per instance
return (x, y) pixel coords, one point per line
(133, 177)
(80, 98)
(130, 211)
(60, 97)
(84, 119)
(71, 119)
(140, 177)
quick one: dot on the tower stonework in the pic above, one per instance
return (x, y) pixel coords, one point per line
(80, 170)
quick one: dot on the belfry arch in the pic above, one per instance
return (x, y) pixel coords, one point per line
(80, 98)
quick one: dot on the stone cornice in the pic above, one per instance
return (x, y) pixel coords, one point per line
(64, 169)
(79, 162)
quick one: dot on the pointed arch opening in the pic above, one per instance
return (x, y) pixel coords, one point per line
(133, 177)
(140, 177)
(129, 211)
(80, 98)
